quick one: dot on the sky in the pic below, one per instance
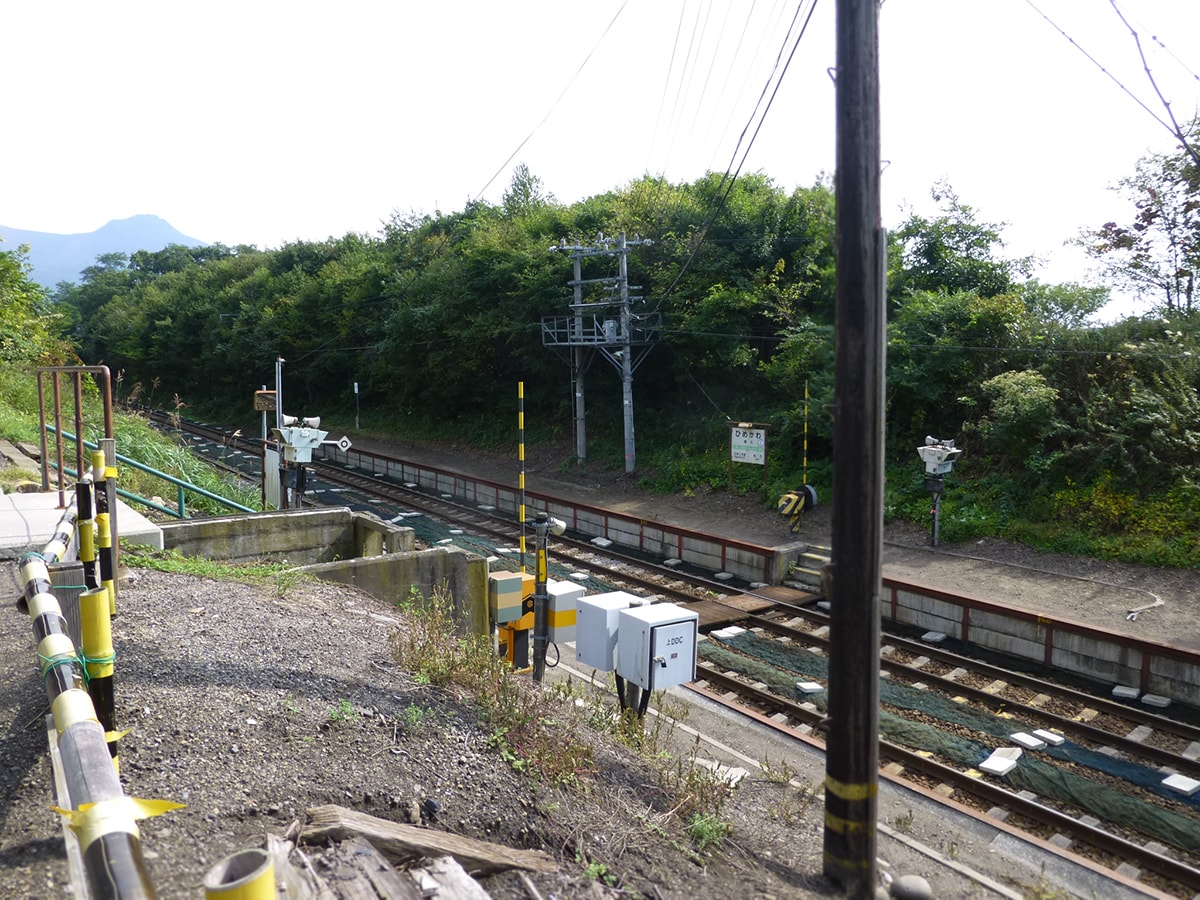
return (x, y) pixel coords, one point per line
(264, 122)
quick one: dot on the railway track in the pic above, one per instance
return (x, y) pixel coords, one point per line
(1165, 861)
(1117, 844)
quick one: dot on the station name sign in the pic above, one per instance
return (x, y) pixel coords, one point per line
(748, 444)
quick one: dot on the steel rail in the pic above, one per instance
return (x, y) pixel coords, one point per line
(950, 686)
(1070, 826)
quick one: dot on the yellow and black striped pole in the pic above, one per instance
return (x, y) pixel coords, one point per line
(85, 526)
(98, 658)
(104, 550)
(521, 459)
(804, 461)
(105, 488)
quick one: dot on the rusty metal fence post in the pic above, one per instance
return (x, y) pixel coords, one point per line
(107, 442)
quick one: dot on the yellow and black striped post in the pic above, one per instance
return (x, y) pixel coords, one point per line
(98, 658)
(521, 459)
(85, 526)
(104, 550)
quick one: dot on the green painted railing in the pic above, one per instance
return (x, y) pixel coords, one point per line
(180, 485)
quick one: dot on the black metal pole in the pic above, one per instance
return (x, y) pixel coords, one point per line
(541, 599)
(852, 764)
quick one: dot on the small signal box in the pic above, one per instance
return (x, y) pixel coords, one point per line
(656, 645)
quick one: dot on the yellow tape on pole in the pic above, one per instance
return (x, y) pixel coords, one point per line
(96, 631)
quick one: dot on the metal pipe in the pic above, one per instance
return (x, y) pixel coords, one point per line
(541, 599)
(58, 447)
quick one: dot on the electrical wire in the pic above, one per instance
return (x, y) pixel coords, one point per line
(731, 175)
(1159, 41)
(554, 105)
(1098, 65)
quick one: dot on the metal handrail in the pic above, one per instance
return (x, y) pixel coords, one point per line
(180, 484)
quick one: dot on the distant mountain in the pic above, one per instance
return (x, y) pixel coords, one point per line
(61, 257)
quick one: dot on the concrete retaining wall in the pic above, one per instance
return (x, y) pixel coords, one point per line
(745, 560)
(392, 578)
(1095, 653)
(345, 547)
(301, 536)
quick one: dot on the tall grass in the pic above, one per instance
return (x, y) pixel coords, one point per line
(135, 438)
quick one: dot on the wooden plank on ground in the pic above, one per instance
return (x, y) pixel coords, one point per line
(781, 593)
(717, 613)
(401, 843)
(362, 873)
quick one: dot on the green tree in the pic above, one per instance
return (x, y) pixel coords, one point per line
(941, 348)
(1158, 252)
(1021, 414)
(30, 329)
(951, 252)
(1062, 306)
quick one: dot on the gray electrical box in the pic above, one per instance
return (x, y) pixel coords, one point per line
(656, 645)
(596, 628)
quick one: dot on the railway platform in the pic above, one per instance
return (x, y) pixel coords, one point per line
(28, 520)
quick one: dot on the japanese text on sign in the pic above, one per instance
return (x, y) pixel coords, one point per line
(748, 445)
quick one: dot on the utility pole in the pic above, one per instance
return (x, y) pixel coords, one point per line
(578, 362)
(852, 757)
(621, 337)
(626, 353)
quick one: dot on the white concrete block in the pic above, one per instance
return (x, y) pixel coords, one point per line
(809, 687)
(728, 632)
(601, 542)
(1124, 692)
(1156, 700)
(723, 576)
(1028, 741)
(1002, 761)
(1049, 737)
(672, 562)
(579, 576)
(933, 637)
(1181, 784)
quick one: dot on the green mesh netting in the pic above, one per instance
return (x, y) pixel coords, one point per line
(777, 664)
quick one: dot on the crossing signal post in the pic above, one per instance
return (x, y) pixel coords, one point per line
(939, 457)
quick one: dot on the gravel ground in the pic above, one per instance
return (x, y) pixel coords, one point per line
(253, 704)
(250, 706)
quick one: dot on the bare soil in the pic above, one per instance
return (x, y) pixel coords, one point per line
(251, 705)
